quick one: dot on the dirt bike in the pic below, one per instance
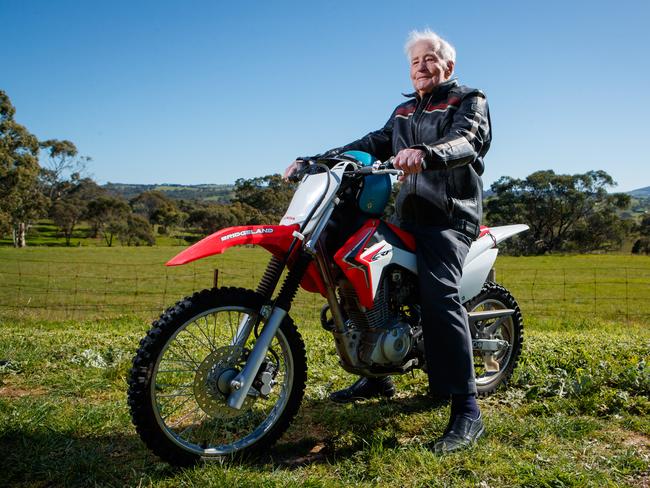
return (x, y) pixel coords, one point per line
(223, 372)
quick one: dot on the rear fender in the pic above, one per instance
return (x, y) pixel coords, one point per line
(274, 238)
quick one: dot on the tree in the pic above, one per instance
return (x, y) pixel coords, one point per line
(72, 204)
(642, 244)
(63, 165)
(137, 231)
(158, 209)
(108, 215)
(269, 194)
(209, 218)
(20, 198)
(564, 212)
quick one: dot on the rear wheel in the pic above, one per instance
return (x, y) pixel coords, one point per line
(181, 375)
(493, 369)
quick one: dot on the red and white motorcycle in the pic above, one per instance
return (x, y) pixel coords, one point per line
(223, 372)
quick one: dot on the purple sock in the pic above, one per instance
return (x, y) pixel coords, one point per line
(465, 405)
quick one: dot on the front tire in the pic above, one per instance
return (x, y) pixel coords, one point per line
(493, 370)
(178, 383)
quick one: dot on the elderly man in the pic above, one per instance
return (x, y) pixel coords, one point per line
(438, 137)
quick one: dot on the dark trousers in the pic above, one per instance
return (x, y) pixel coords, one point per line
(441, 252)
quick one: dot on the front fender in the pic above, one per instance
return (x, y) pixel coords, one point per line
(274, 238)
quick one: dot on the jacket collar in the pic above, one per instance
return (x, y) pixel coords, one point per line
(439, 91)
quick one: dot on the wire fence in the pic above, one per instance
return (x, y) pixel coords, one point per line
(60, 289)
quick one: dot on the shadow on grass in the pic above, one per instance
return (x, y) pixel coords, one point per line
(324, 431)
(46, 457)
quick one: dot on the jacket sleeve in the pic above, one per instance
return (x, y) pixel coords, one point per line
(378, 143)
(467, 139)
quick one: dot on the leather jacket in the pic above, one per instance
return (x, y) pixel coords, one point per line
(452, 126)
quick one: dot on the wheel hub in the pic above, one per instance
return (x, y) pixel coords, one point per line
(212, 382)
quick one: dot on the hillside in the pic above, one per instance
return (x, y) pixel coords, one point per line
(223, 193)
(640, 192)
(215, 193)
(640, 202)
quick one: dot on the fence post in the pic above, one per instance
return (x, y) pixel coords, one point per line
(20, 281)
(627, 300)
(76, 286)
(564, 290)
(47, 287)
(532, 291)
(135, 294)
(106, 280)
(164, 303)
(595, 279)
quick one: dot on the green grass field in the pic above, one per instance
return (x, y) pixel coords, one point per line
(577, 412)
(45, 233)
(100, 282)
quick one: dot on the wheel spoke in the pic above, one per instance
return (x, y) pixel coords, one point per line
(172, 395)
(187, 354)
(180, 405)
(492, 368)
(191, 426)
(187, 377)
(211, 343)
(232, 332)
(188, 414)
(208, 347)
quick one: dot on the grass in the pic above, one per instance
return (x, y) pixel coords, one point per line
(45, 233)
(577, 412)
(96, 282)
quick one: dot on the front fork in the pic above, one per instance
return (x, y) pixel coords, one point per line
(241, 384)
(266, 287)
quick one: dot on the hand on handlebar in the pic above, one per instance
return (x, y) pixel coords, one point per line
(293, 169)
(410, 161)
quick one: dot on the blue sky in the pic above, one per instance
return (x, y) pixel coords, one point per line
(207, 92)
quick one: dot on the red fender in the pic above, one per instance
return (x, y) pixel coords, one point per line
(274, 238)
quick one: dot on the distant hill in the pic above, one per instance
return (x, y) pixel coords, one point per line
(215, 193)
(640, 192)
(225, 193)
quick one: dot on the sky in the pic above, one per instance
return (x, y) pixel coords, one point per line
(210, 91)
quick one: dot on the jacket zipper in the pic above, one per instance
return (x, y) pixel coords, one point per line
(415, 126)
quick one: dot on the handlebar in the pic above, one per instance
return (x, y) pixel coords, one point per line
(379, 168)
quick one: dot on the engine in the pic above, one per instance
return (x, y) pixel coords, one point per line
(387, 346)
(380, 336)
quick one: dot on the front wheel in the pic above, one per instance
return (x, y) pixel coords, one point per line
(493, 369)
(179, 382)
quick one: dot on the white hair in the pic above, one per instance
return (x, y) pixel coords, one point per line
(445, 51)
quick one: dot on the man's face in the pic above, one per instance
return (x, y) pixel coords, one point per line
(427, 70)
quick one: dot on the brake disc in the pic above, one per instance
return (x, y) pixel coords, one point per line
(212, 383)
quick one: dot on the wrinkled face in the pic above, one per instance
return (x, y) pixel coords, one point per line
(427, 69)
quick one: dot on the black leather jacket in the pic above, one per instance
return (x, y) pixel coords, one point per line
(452, 126)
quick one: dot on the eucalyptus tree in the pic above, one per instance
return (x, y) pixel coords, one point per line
(21, 200)
(564, 212)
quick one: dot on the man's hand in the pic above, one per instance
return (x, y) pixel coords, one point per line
(409, 161)
(292, 168)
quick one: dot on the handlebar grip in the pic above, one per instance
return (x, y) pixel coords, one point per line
(388, 164)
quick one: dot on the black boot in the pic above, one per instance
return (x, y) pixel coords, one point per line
(461, 433)
(365, 388)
